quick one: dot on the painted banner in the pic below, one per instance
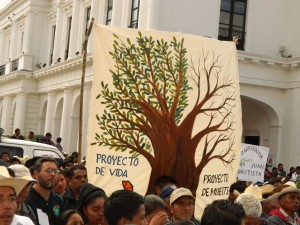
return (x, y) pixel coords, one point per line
(253, 163)
(164, 103)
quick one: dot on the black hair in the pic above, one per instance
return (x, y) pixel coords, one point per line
(17, 129)
(11, 172)
(66, 161)
(122, 203)
(274, 180)
(152, 203)
(164, 179)
(31, 132)
(223, 212)
(65, 216)
(240, 186)
(4, 153)
(58, 139)
(39, 163)
(70, 171)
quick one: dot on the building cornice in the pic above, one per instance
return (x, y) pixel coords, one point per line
(254, 58)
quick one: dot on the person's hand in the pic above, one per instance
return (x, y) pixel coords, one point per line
(160, 218)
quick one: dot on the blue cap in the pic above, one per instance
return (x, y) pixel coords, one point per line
(166, 191)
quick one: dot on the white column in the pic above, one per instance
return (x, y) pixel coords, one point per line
(66, 119)
(28, 33)
(275, 142)
(20, 113)
(2, 46)
(49, 124)
(153, 14)
(6, 114)
(14, 41)
(58, 34)
(94, 14)
(74, 29)
(85, 116)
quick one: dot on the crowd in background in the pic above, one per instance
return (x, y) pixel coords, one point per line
(45, 192)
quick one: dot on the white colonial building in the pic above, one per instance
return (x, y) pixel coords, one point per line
(41, 61)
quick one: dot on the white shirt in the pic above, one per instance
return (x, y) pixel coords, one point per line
(21, 220)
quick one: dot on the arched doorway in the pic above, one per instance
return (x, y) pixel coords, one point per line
(260, 125)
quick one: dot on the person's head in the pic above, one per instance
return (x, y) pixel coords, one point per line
(14, 160)
(280, 167)
(153, 205)
(287, 197)
(45, 172)
(70, 217)
(292, 169)
(239, 186)
(23, 172)
(252, 208)
(223, 212)
(30, 134)
(125, 207)
(58, 140)
(275, 181)
(5, 156)
(8, 204)
(48, 136)
(17, 132)
(76, 177)
(67, 163)
(61, 183)
(162, 181)
(298, 170)
(92, 207)
(182, 204)
(9, 189)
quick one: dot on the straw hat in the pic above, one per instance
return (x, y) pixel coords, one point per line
(6, 181)
(255, 191)
(266, 189)
(281, 190)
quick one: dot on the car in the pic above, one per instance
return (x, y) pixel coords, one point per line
(20, 148)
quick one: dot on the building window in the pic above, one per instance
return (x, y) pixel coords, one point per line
(134, 18)
(88, 17)
(68, 38)
(232, 21)
(109, 12)
(52, 44)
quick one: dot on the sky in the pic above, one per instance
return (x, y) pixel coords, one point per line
(3, 3)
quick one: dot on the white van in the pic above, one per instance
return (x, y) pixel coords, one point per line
(33, 149)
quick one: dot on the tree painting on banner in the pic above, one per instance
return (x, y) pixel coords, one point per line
(170, 99)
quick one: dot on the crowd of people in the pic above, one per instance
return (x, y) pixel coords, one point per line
(45, 139)
(48, 193)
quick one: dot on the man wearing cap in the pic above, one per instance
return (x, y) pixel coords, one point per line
(182, 205)
(9, 189)
(287, 197)
(23, 209)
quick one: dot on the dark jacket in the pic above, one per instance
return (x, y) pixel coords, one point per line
(25, 210)
(69, 199)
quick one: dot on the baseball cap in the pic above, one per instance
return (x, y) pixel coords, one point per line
(166, 191)
(180, 192)
(22, 171)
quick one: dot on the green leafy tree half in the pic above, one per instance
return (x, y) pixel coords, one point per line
(144, 111)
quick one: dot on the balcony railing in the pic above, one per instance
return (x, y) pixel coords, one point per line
(15, 65)
(2, 70)
(226, 34)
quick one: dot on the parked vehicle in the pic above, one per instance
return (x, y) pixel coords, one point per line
(21, 148)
